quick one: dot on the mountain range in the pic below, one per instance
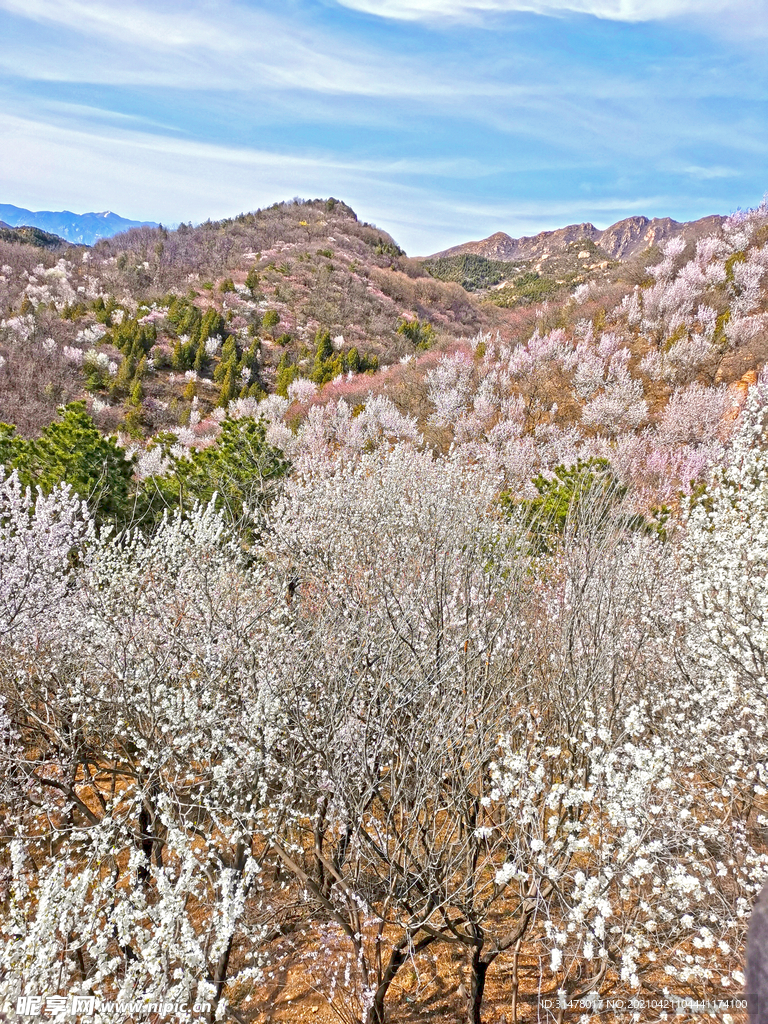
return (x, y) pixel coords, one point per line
(80, 228)
(620, 241)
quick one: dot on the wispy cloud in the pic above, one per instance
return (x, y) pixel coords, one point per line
(710, 173)
(151, 174)
(613, 10)
(185, 149)
(201, 46)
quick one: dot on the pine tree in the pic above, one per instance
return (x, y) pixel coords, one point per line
(228, 359)
(121, 382)
(228, 387)
(72, 450)
(286, 375)
(270, 321)
(252, 281)
(201, 357)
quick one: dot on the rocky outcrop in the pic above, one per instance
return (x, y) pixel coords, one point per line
(738, 393)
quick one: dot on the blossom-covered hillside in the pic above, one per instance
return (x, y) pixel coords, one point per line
(649, 376)
(126, 320)
(318, 323)
(389, 746)
(389, 671)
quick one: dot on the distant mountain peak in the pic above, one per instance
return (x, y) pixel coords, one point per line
(79, 228)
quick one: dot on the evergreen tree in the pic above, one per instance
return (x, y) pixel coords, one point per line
(177, 359)
(241, 469)
(72, 450)
(421, 335)
(271, 320)
(201, 357)
(228, 387)
(121, 382)
(286, 375)
(228, 359)
(252, 281)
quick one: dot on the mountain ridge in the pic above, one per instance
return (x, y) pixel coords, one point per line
(80, 228)
(622, 240)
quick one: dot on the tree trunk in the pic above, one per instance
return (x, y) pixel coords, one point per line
(397, 958)
(477, 988)
(222, 965)
(145, 825)
(479, 969)
(324, 884)
(515, 979)
(148, 839)
(396, 961)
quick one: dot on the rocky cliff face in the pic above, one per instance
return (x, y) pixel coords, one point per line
(620, 241)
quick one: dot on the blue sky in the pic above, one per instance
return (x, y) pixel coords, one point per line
(439, 120)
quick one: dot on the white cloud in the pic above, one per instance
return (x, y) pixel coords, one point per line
(201, 45)
(614, 10)
(155, 177)
(185, 149)
(710, 173)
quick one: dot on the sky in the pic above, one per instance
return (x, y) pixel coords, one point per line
(440, 121)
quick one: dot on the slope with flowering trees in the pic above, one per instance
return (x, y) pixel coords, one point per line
(423, 705)
(389, 712)
(643, 377)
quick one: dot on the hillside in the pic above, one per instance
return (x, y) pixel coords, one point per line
(270, 281)
(527, 282)
(371, 651)
(302, 306)
(547, 266)
(35, 237)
